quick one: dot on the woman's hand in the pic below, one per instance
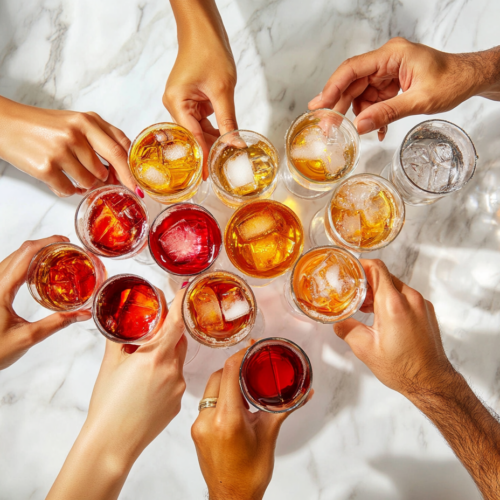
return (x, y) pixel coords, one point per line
(235, 447)
(432, 82)
(204, 74)
(135, 397)
(51, 145)
(17, 335)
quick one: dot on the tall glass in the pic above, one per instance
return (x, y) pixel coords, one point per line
(112, 222)
(322, 147)
(185, 240)
(220, 310)
(64, 277)
(275, 375)
(327, 285)
(435, 159)
(365, 213)
(128, 309)
(167, 161)
(243, 167)
(263, 240)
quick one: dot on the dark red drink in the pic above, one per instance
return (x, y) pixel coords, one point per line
(275, 375)
(185, 239)
(111, 221)
(128, 309)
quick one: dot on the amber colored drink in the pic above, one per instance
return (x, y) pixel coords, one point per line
(328, 284)
(166, 161)
(112, 222)
(243, 167)
(63, 277)
(264, 238)
(365, 213)
(185, 239)
(275, 375)
(128, 309)
(219, 309)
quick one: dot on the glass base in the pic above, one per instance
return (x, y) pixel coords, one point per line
(145, 257)
(317, 231)
(295, 188)
(201, 194)
(386, 171)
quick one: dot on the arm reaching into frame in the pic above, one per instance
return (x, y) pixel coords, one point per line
(404, 351)
(203, 78)
(431, 82)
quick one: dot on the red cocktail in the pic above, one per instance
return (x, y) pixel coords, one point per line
(275, 375)
(63, 277)
(128, 309)
(185, 239)
(112, 222)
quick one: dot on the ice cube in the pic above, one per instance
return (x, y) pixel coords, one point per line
(376, 211)
(312, 145)
(186, 241)
(270, 251)
(207, 309)
(355, 195)
(335, 160)
(154, 176)
(258, 224)
(239, 173)
(441, 153)
(137, 311)
(262, 167)
(161, 136)
(439, 180)
(335, 136)
(350, 228)
(176, 150)
(234, 304)
(416, 153)
(419, 173)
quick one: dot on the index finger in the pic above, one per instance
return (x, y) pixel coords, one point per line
(379, 278)
(173, 327)
(14, 269)
(230, 396)
(348, 72)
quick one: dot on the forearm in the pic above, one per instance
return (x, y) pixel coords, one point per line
(92, 470)
(486, 72)
(471, 430)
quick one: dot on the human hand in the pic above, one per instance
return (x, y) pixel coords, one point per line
(235, 447)
(51, 145)
(203, 77)
(403, 348)
(137, 394)
(17, 335)
(432, 82)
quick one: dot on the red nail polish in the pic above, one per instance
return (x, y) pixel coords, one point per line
(139, 192)
(185, 284)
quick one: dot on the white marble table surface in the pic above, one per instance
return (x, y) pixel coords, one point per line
(356, 439)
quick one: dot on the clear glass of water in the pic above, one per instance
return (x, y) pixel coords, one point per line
(435, 159)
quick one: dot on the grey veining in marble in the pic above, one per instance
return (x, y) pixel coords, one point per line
(356, 439)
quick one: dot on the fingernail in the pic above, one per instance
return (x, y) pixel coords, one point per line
(139, 192)
(365, 126)
(83, 316)
(317, 99)
(185, 284)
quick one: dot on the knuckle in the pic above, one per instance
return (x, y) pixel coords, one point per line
(398, 40)
(198, 431)
(118, 152)
(224, 86)
(231, 364)
(28, 246)
(389, 112)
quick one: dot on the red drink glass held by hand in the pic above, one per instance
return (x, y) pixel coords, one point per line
(64, 277)
(112, 222)
(128, 309)
(275, 375)
(185, 239)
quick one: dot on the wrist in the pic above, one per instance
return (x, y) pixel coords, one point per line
(485, 72)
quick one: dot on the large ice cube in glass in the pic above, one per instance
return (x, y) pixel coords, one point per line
(175, 150)
(185, 241)
(350, 228)
(258, 224)
(234, 304)
(270, 251)
(239, 173)
(207, 309)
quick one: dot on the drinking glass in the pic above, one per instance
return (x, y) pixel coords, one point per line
(243, 167)
(322, 147)
(435, 159)
(275, 375)
(364, 213)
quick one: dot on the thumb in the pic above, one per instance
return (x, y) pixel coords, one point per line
(40, 330)
(225, 113)
(382, 113)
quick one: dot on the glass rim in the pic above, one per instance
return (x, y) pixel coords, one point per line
(272, 202)
(104, 332)
(241, 281)
(350, 125)
(192, 206)
(363, 280)
(250, 351)
(168, 125)
(215, 180)
(394, 191)
(31, 270)
(399, 152)
(99, 190)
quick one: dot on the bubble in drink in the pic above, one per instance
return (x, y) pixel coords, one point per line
(207, 309)
(257, 225)
(234, 305)
(185, 241)
(239, 173)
